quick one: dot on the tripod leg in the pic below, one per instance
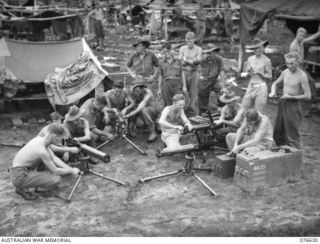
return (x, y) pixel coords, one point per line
(74, 188)
(190, 157)
(102, 144)
(161, 176)
(134, 145)
(205, 184)
(107, 178)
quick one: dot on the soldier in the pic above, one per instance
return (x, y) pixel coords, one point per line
(171, 78)
(298, 46)
(118, 98)
(171, 119)
(95, 113)
(260, 70)
(211, 67)
(23, 172)
(144, 111)
(255, 130)
(77, 127)
(295, 88)
(143, 65)
(231, 115)
(64, 151)
(98, 16)
(190, 56)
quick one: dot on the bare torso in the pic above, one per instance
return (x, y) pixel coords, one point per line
(29, 155)
(190, 55)
(115, 100)
(292, 82)
(260, 65)
(295, 46)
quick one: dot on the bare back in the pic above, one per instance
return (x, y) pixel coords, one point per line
(30, 154)
(293, 82)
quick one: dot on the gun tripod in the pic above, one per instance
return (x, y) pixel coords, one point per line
(188, 169)
(121, 132)
(85, 170)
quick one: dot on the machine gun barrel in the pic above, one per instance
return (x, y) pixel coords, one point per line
(90, 150)
(181, 149)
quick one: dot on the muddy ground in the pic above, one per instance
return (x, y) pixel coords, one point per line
(174, 206)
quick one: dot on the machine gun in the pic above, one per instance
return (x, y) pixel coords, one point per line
(121, 126)
(205, 134)
(82, 164)
(90, 151)
(121, 129)
(206, 137)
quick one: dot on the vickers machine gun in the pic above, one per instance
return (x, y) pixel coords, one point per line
(93, 152)
(206, 137)
(205, 134)
(121, 131)
(81, 162)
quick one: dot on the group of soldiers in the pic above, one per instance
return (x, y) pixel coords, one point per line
(181, 82)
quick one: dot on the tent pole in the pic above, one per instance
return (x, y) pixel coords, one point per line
(166, 36)
(161, 25)
(241, 54)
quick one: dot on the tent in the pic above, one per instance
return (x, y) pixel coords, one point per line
(68, 69)
(33, 61)
(254, 13)
(304, 13)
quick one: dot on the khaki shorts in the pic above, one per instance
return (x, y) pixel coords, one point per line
(24, 177)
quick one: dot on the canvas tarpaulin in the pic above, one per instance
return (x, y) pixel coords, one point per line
(253, 14)
(69, 84)
(64, 86)
(33, 61)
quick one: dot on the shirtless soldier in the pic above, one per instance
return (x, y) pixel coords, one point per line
(190, 56)
(118, 99)
(260, 70)
(23, 171)
(171, 119)
(63, 150)
(298, 46)
(295, 88)
(256, 130)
